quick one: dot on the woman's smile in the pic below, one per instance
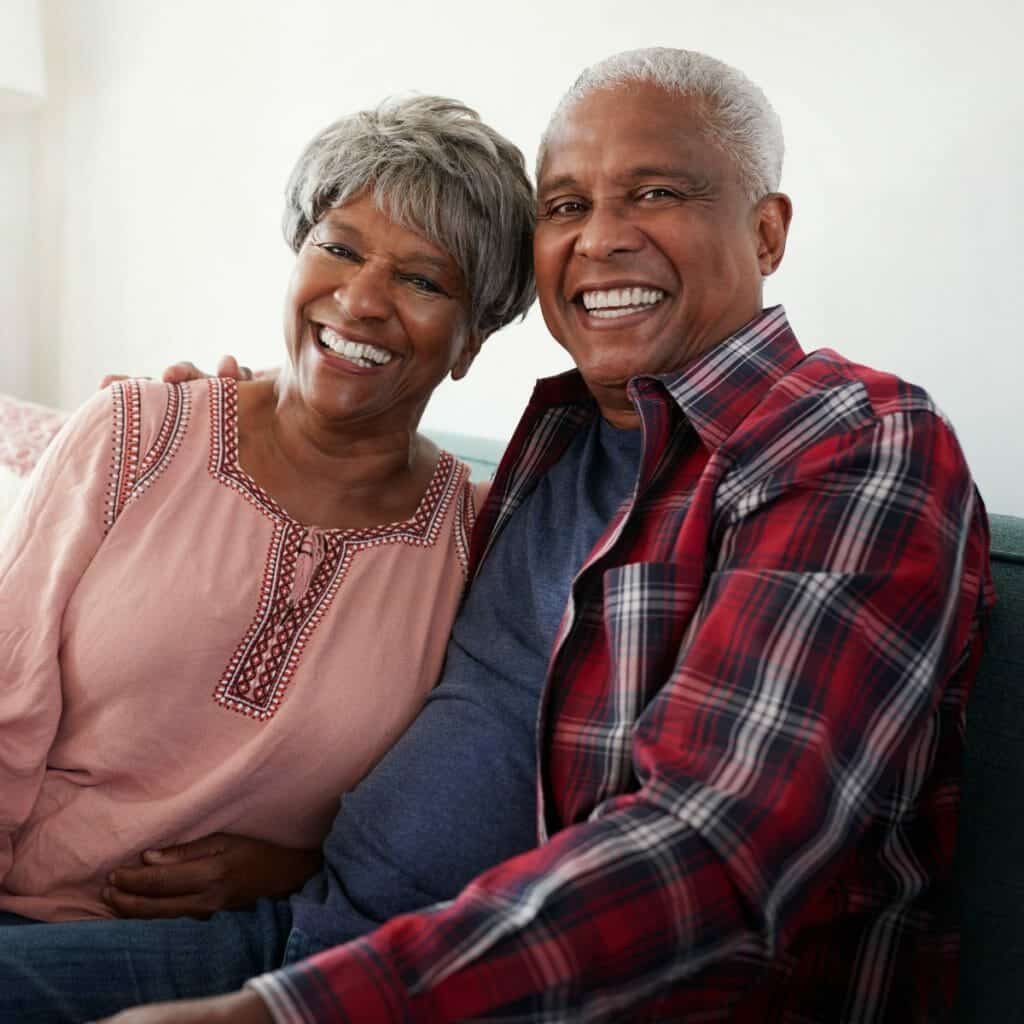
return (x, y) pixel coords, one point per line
(362, 354)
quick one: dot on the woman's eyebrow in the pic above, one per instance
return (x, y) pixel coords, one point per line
(339, 224)
(439, 263)
(418, 256)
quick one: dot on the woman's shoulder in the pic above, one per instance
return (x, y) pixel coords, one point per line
(150, 419)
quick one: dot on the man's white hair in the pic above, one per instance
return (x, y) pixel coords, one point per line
(739, 118)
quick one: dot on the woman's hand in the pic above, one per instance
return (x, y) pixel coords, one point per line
(179, 373)
(218, 872)
(244, 1007)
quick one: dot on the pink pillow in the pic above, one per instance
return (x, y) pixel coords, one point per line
(25, 430)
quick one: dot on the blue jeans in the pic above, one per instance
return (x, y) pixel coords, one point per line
(84, 970)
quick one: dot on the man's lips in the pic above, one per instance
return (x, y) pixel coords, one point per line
(619, 301)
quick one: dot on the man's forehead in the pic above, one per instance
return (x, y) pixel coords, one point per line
(637, 126)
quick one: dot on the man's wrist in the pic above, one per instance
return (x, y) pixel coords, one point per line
(280, 1008)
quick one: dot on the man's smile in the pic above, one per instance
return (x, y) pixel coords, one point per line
(611, 303)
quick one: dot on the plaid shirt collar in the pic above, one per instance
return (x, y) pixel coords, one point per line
(714, 392)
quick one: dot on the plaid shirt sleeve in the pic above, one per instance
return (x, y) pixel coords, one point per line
(844, 595)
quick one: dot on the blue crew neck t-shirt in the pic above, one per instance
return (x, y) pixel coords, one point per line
(457, 793)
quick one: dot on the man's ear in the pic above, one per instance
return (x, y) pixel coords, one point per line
(773, 213)
(465, 358)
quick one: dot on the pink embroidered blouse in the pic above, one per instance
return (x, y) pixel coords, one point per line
(178, 656)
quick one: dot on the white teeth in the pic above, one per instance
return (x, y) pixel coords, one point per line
(613, 302)
(612, 314)
(356, 352)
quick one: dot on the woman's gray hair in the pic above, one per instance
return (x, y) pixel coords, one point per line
(432, 166)
(739, 117)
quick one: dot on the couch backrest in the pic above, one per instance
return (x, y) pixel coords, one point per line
(481, 454)
(990, 857)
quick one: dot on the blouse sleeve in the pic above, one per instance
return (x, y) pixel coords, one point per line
(49, 538)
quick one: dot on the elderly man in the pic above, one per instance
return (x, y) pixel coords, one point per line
(750, 733)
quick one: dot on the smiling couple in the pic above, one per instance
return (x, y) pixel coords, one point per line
(695, 751)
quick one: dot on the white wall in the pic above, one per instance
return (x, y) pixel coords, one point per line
(19, 296)
(170, 130)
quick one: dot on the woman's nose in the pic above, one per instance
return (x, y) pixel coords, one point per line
(365, 295)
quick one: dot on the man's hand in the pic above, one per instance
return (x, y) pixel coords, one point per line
(179, 373)
(228, 366)
(243, 1007)
(217, 872)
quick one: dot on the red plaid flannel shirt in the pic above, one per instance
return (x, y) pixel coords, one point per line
(751, 738)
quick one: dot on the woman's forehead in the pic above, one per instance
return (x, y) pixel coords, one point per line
(365, 217)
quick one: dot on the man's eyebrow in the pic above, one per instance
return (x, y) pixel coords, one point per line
(557, 184)
(674, 173)
(634, 174)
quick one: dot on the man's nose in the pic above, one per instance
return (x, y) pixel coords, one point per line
(607, 231)
(366, 294)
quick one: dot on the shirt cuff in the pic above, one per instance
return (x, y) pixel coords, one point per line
(354, 986)
(277, 999)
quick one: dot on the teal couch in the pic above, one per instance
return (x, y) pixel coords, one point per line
(990, 869)
(481, 454)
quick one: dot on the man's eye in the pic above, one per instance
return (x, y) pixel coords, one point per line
(652, 194)
(564, 208)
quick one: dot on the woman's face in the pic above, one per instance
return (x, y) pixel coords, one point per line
(375, 317)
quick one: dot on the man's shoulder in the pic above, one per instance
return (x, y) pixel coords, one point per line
(826, 403)
(825, 370)
(827, 393)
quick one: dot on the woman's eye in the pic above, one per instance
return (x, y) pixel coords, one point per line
(343, 252)
(424, 284)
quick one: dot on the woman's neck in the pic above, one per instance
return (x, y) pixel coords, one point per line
(327, 473)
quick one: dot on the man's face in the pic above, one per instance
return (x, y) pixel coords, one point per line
(647, 250)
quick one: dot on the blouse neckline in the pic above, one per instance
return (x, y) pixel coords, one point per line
(224, 464)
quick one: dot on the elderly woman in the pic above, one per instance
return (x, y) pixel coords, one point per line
(221, 602)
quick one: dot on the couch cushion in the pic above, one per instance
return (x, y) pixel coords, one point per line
(991, 841)
(25, 430)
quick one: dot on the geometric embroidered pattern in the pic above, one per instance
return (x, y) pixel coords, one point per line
(294, 598)
(131, 474)
(124, 455)
(168, 439)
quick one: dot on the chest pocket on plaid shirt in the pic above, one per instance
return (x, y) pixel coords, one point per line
(648, 606)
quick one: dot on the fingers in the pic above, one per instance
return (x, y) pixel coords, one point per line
(208, 846)
(180, 373)
(162, 880)
(230, 367)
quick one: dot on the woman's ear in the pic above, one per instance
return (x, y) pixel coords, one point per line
(465, 358)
